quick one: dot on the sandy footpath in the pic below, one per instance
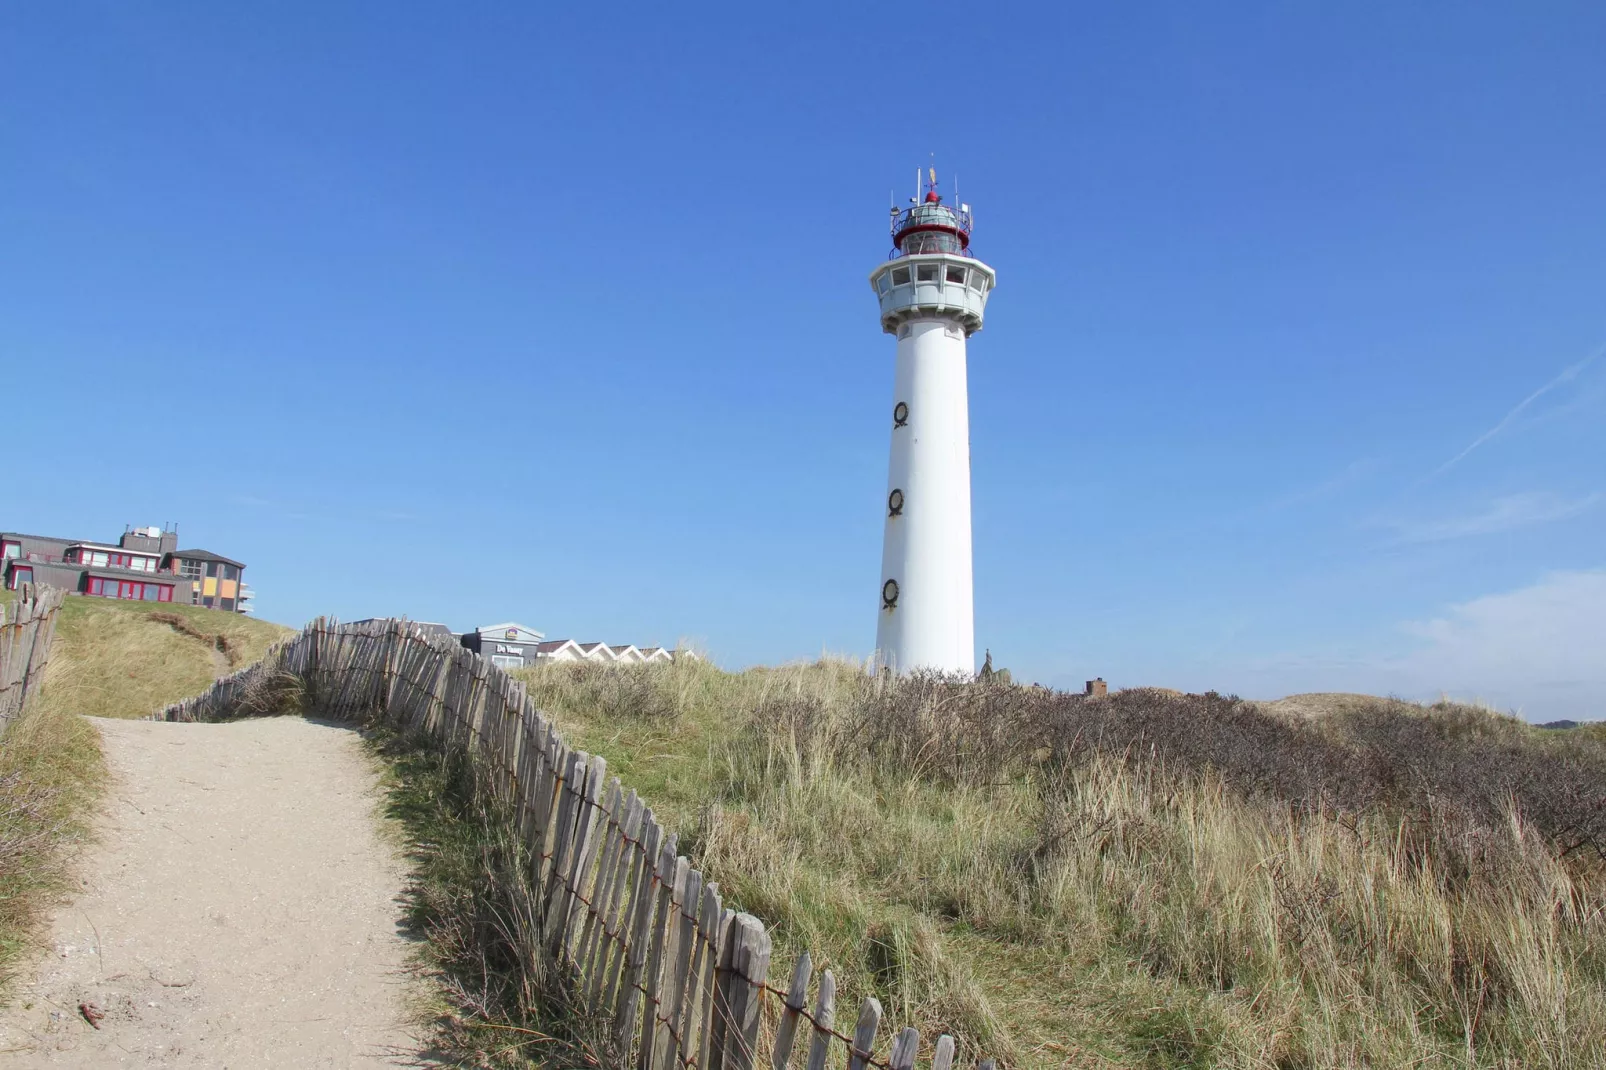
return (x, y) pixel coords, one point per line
(241, 910)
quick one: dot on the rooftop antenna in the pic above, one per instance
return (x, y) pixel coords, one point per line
(916, 198)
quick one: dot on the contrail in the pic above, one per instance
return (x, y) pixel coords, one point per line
(1567, 375)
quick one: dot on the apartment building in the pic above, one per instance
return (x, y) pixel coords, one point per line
(144, 564)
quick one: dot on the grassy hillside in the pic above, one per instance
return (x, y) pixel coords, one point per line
(109, 659)
(127, 659)
(1147, 880)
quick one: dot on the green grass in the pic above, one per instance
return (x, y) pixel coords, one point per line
(1059, 903)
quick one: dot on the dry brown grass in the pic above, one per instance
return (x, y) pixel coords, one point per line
(127, 659)
(1147, 880)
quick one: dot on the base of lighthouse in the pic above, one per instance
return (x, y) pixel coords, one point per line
(927, 613)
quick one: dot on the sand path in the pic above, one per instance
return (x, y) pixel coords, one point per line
(241, 910)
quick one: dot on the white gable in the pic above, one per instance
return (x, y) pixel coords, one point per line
(509, 632)
(561, 648)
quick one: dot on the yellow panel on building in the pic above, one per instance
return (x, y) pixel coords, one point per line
(226, 589)
(209, 586)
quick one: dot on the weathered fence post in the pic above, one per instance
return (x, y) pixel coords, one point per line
(25, 640)
(739, 990)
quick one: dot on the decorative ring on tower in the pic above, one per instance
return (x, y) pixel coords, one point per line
(895, 503)
(900, 414)
(889, 594)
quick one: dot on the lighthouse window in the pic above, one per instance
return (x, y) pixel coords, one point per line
(883, 284)
(926, 273)
(956, 274)
(900, 276)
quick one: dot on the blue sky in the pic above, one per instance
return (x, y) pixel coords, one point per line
(1293, 379)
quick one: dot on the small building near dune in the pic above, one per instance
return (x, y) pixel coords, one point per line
(509, 645)
(555, 650)
(559, 650)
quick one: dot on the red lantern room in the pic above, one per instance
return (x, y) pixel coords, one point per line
(931, 226)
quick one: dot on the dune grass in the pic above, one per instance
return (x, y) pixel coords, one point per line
(50, 774)
(493, 1004)
(1147, 880)
(114, 658)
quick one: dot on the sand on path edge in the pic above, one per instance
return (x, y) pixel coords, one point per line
(241, 909)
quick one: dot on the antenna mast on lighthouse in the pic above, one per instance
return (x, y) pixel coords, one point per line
(933, 292)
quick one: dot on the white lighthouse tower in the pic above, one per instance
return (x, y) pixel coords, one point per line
(932, 293)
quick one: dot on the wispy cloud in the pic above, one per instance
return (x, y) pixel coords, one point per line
(1351, 474)
(1502, 514)
(1566, 376)
(1536, 649)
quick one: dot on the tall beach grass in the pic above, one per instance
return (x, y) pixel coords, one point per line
(1147, 880)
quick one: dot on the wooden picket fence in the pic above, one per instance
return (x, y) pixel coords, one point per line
(681, 980)
(27, 627)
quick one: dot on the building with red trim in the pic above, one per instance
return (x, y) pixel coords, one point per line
(144, 565)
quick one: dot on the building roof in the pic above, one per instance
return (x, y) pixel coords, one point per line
(39, 538)
(554, 645)
(589, 647)
(205, 555)
(506, 626)
(111, 549)
(42, 568)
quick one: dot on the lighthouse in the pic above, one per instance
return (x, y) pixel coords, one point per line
(932, 292)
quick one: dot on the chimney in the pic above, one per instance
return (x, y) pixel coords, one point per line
(1097, 688)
